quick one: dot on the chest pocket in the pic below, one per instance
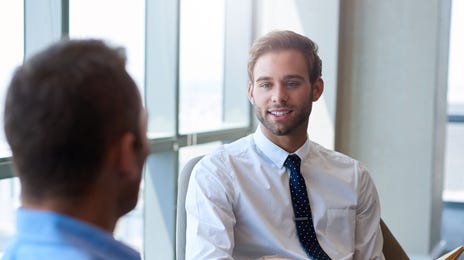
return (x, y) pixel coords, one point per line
(339, 229)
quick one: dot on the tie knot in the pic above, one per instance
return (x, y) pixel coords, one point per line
(293, 162)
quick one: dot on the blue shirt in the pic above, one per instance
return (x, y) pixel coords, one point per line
(49, 235)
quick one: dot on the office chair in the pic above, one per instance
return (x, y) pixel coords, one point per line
(181, 225)
(391, 248)
(453, 255)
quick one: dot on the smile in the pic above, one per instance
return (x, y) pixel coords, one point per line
(279, 113)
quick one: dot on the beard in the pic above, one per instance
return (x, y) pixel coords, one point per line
(131, 192)
(300, 118)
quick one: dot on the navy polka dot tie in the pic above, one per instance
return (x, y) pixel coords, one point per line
(302, 210)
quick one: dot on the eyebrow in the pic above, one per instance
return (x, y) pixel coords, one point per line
(288, 77)
(262, 79)
(294, 77)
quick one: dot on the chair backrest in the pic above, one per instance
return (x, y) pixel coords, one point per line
(181, 224)
(453, 255)
(391, 247)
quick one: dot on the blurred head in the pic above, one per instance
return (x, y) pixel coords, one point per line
(65, 108)
(284, 40)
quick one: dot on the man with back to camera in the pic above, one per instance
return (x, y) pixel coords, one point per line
(275, 192)
(76, 126)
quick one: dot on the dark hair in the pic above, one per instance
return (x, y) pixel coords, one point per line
(282, 40)
(63, 109)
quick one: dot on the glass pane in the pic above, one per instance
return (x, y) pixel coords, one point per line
(201, 65)
(121, 23)
(11, 53)
(454, 179)
(9, 201)
(162, 60)
(456, 60)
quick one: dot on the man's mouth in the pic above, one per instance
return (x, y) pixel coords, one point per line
(279, 113)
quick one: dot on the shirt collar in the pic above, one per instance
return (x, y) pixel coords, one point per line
(276, 154)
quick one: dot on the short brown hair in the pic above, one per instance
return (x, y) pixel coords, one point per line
(282, 40)
(63, 109)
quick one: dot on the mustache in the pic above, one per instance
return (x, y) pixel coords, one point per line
(279, 106)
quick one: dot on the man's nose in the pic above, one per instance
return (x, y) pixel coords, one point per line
(279, 94)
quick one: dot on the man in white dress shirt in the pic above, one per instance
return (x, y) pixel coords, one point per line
(238, 202)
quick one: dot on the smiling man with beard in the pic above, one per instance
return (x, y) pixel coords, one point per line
(275, 192)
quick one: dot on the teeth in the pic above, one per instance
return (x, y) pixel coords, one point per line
(278, 113)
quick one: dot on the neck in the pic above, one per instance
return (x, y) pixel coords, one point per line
(289, 142)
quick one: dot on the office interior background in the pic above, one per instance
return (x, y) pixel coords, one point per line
(393, 99)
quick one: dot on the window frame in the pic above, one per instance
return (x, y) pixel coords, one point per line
(48, 21)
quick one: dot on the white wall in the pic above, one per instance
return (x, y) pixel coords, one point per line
(392, 108)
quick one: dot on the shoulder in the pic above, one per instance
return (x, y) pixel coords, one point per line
(338, 163)
(227, 154)
(23, 248)
(57, 236)
(61, 251)
(225, 163)
(317, 151)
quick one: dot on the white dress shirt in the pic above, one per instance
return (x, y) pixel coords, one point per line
(239, 206)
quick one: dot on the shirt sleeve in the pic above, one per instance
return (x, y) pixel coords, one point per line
(209, 207)
(368, 235)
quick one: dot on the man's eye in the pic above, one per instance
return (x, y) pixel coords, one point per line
(265, 85)
(292, 84)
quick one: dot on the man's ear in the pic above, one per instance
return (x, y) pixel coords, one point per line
(250, 93)
(318, 88)
(125, 159)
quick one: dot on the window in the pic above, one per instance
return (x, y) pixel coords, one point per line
(122, 25)
(454, 180)
(11, 27)
(203, 61)
(9, 199)
(201, 64)
(188, 59)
